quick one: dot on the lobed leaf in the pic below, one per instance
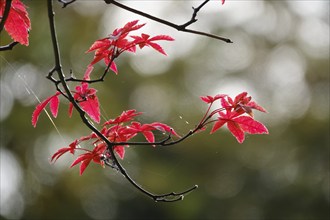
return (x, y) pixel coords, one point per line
(236, 130)
(248, 124)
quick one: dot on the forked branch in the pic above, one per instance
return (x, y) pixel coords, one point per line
(66, 3)
(182, 28)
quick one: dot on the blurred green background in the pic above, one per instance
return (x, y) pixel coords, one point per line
(280, 56)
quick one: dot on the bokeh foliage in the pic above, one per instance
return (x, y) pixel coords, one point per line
(280, 56)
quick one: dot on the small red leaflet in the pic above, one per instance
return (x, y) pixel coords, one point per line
(209, 99)
(88, 101)
(146, 40)
(54, 104)
(63, 150)
(86, 158)
(125, 116)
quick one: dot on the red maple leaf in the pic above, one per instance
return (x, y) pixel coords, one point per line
(128, 27)
(86, 158)
(210, 99)
(106, 48)
(109, 48)
(146, 40)
(17, 23)
(241, 104)
(54, 104)
(72, 147)
(88, 101)
(146, 129)
(237, 125)
(103, 51)
(124, 117)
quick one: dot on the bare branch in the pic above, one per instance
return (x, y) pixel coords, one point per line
(173, 196)
(181, 28)
(168, 197)
(66, 3)
(9, 46)
(194, 15)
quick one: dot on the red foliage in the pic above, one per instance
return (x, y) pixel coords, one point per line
(54, 104)
(18, 22)
(86, 158)
(117, 130)
(88, 101)
(109, 48)
(146, 40)
(234, 109)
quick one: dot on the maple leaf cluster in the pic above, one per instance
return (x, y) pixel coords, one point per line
(236, 113)
(83, 95)
(106, 49)
(116, 134)
(118, 130)
(18, 22)
(109, 48)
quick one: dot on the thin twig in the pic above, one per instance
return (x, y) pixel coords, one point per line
(158, 143)
(194, 15)
(66, 3)
(90, 81)
(9, 46)
(181, 28)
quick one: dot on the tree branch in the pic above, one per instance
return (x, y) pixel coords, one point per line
(9, 46)
(194, 15)
(182, 28)
(169, 197)
(66, 3)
